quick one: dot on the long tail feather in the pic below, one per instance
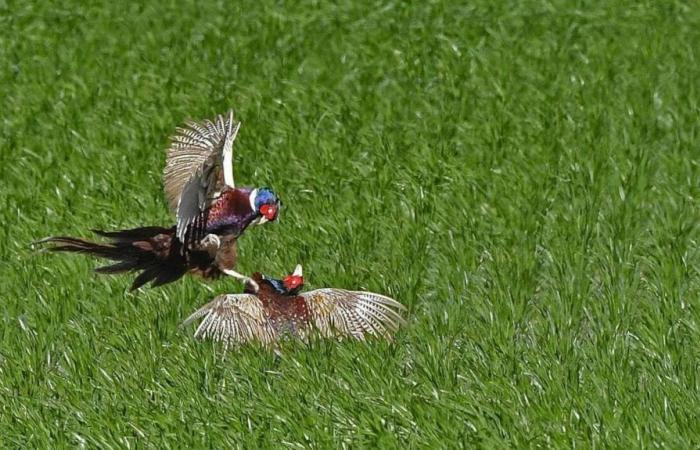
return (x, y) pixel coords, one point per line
(69, 244)
(149, 250)
(133, 234)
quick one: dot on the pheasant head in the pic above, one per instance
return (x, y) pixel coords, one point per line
(288, 286)
(265, 203)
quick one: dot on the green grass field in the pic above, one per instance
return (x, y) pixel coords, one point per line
(523, 177)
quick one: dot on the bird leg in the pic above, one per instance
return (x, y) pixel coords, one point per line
(242, 278)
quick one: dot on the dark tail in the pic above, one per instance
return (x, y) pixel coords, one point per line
(153, 251)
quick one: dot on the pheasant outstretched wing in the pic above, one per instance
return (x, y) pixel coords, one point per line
(338, 313)
(233, 319)
(198, 165)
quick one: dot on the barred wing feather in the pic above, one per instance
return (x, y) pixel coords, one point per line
(337, 313)
(233, 319)
(198, 154)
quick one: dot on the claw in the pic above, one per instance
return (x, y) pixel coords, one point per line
(210, 241)
(246, 280)
(251, 282)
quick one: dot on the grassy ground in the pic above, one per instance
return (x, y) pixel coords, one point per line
(523, 178)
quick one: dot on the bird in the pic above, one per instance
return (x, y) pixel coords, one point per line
(276, 310)
(211, 212)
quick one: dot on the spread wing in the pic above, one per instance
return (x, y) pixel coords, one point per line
(337, 312)
(233, 319)
(198, 154)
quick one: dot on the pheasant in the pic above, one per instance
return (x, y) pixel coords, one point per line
(276, 309)
(211, 213)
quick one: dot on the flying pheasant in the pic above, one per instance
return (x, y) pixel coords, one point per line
(276, 309)
(211, 213)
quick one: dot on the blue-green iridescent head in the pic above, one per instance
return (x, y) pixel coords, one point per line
(266, 204)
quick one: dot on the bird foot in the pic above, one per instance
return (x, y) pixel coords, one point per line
(244, 279)
(253, 285)
(210, 242)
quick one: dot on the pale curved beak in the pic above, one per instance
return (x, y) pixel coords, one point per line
(297, 271)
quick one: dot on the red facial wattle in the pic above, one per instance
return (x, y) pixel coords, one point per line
(269, 212)
(292, 282)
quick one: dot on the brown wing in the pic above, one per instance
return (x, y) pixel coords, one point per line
(233, 319)
(337, 312)
(198, 154)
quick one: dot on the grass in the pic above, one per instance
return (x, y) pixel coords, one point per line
(522, 176)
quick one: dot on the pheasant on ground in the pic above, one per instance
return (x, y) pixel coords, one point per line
(276, 309)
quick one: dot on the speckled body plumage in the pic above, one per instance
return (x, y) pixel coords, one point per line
(288, 313)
